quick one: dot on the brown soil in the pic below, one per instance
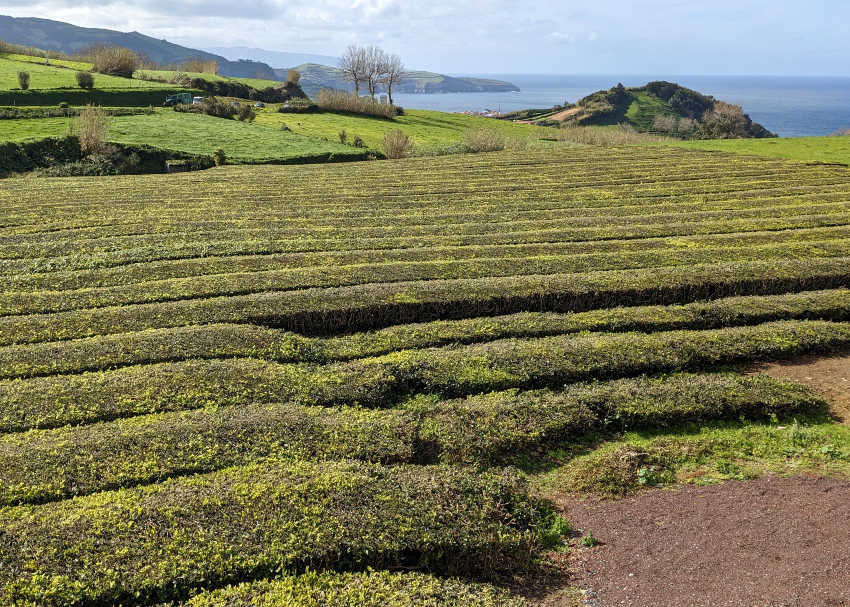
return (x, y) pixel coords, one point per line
(829, 376)
(564, 114)
(766, 543)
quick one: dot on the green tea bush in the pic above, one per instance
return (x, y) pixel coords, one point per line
(156, 544)
(372, 589)
(379, 382)
(232, 340)
(373, 306)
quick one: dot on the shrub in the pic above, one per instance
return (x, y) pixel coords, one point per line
(724, 121)
(484, 139)
(397, 144)
(343, 101)
(219, 157)
(110, 59)
(91, 128)
(665, 124)
(218, 109)
(293, 76)
(24, 80)
(285, 127)
(343, 136)
(298, 105)
(200, 66)
(85, 80)
(358, 142)
(245, 113)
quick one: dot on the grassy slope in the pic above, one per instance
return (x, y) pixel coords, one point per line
(49, 77)
(428, 128)
(74, 65)
(256, 83)
(808, 149)
(198, 134)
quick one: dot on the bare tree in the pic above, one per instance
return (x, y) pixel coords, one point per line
(373, 65)
(351, 64)
(393, 73)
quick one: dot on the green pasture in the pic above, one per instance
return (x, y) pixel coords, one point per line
(55, 77)
(169, 74)
(74, 65)
(35, 128)
(199, 134)
(807, 149)
(426, 127)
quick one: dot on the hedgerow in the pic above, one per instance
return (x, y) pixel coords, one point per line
(229, 340)
(363, 307)
(158, 543)
(51, 402)
(323, 277)
(372, 589)
(42, 466)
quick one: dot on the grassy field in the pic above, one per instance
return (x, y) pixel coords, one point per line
(199, 134)
(240, 375)
(35, 128)
(806, 149)
(55, 77)
(427, 128)
(255, 82)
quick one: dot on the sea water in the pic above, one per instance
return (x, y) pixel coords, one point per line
(788, 106)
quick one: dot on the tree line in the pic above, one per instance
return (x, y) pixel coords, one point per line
(372, 67)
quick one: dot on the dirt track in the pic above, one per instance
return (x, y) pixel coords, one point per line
(766, 543)
(564, 114)
(830, 376)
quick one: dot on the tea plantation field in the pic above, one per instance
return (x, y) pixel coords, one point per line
(287, 386)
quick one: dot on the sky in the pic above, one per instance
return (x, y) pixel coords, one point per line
(721, 37)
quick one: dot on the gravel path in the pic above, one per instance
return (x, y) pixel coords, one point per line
(766, 543)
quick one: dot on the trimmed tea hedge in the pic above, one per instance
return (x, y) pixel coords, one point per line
(379, 382)
(43, 466)
(228, 340)
(157, 543)
(372, 589)
(363, 307)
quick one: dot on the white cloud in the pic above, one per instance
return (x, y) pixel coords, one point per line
(640, 36)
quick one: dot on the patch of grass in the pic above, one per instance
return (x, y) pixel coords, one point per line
(74, 65)
(427, 128)
(55, 77)
(169, 74)
(33, 128)
(242, 142)
(807, 149)
(708, 454)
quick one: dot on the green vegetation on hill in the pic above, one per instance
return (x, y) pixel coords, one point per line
(667, 108)
(53, 77)
(242, 142)
(251, 384)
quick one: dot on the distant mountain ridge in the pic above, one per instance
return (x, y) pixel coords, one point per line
(278, 59)
(315, 77)
(68, 38)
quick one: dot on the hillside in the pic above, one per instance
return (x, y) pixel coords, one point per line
(315, 77)
(667, 108)
(68, 38)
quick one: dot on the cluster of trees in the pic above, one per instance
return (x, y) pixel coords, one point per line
(371, 67)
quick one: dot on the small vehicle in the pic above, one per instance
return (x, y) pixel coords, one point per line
(259, 104)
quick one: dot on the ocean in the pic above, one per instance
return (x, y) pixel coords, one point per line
(788, 106)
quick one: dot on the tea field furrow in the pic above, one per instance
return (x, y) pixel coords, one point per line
(52, 402)
(269, 281)
(365, 307)
(590, 228)
(45, 466)
(269, 224)
(138, 271)
(248, 341)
